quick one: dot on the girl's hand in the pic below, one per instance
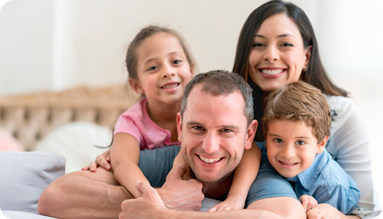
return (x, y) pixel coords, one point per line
(177, 161)
(102, 160)
(231, 203)
(308, 202)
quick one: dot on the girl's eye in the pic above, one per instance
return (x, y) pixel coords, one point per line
(177, 62)
(257, 45)
(152, 68)
(278, 140)
(287, 44)
(300, 142)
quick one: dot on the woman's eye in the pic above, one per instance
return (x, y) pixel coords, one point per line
(278, 140)
(300, 142)
(177, 62)
(287, 44)
(257, 45)
(152, 68)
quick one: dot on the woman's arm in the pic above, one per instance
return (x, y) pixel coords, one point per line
(244, 176)
(349, 145)
(124, 156)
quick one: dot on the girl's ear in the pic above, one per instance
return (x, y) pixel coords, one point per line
(308, 55)
(192, 69)
(322, 145)
(136, 86)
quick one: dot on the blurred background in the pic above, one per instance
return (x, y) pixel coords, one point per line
(53, 45)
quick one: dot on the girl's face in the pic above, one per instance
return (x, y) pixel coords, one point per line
(162, 69)
(277, 55)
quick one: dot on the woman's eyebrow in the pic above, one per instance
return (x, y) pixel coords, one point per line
(279, 36)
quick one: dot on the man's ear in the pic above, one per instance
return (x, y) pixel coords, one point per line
(179, 126)
(250, 134)
(136, 86)
(322, 145)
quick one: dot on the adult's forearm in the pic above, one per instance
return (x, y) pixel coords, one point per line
(76, 196)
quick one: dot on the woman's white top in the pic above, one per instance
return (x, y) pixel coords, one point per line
(348, 144)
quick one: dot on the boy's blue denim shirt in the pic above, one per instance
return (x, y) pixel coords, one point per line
(326, 181)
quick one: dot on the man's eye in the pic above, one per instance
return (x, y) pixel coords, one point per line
(278, 140)
(300, 142)
(197, 127)
(152, 68)
(226, 130)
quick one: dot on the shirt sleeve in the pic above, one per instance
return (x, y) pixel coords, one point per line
(126, 124)
(349, 146)
(342, 198)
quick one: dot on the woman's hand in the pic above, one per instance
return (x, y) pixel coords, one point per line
(102, 160)
(308, 202)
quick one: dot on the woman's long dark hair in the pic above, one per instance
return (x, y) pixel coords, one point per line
(315, 73)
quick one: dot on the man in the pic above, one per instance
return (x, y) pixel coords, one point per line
(215, 123)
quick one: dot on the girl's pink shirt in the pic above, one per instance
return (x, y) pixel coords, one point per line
(137, 123)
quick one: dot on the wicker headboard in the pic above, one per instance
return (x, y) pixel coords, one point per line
(30, 117)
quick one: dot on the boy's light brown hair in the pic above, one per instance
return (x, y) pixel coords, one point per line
(299, 102)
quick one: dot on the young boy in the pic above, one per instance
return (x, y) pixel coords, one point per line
(296, 124)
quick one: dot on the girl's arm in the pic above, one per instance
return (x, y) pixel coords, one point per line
(124, 156)
(244, 176)
(187, 175)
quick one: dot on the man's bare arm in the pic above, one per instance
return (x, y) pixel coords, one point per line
(150, 205)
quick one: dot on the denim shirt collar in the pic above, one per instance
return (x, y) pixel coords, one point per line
(309, 176)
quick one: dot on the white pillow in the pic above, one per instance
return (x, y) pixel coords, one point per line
(24, 175)
(76, 142)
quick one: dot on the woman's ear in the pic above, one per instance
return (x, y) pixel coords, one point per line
(308, 55)
(322, 145)
(192, 69)
(136, 86)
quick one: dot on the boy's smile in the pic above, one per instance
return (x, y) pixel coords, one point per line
(291, 146)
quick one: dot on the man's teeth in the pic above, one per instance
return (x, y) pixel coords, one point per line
(170, 86)
(271, 72)
(209, 160)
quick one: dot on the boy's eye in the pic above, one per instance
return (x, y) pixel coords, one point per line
(300, 142)
(152, 68)
(278, 140)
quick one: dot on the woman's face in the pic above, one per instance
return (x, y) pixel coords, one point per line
(277, 55)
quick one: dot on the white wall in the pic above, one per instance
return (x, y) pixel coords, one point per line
(53, 45)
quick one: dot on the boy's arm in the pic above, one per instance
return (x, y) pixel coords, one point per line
(125, 154)
(244, 176)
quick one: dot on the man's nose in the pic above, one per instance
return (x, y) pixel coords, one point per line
(211, 143)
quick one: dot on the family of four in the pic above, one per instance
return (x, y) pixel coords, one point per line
(258, 138)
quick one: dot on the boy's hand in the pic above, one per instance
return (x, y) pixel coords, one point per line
(308, 202)
(231, 203)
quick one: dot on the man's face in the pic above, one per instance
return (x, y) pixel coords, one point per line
(214, 134)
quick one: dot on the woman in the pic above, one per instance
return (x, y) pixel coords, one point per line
(277, 45)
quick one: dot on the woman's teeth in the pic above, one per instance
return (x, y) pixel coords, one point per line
(271, 72)
(209, 160)
(170, 86)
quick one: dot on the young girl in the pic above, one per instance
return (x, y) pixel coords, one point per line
(159, 67)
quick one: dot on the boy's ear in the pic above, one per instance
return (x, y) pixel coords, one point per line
(322, 145)
(136, 86)
(250, 134)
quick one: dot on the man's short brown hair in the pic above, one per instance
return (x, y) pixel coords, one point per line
(299, 101)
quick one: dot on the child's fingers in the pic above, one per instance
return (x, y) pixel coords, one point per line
(101, 161)
(213, 209)
(84, 169)
(92, 167)
(304, 200)
(311, 203)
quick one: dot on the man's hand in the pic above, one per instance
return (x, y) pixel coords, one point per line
(308, 202)
(181, 195)
(149, 205)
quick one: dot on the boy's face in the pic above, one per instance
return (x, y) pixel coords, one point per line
(291, 146)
